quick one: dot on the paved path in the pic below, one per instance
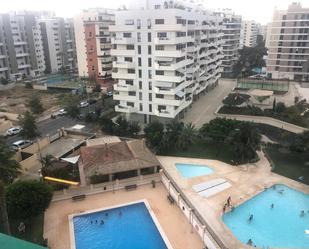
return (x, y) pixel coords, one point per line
(203, 109)
(265, 120)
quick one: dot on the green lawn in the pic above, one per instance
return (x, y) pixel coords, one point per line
(290, 164)
(208, 150)
(34, 229)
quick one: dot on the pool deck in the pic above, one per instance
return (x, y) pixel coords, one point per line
(173, 222)
(246, 180)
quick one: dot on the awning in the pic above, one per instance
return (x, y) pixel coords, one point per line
(163, 84)
(78, 127)
(72, 160)
(261, 93)
(180, 94)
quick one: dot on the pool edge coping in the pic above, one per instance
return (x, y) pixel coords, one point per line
(152, 214)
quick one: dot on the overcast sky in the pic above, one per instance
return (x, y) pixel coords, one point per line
(259, 10)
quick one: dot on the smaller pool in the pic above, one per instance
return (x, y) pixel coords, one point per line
(193, 170)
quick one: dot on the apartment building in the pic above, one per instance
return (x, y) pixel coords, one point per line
(288, 44)
(231, 39)
(21, 48)
(93, 44)
(249, 33)
(165, 54)
(59, 44)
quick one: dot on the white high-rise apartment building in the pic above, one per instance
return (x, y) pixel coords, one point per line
(249, 33)
(231, 39)
(59, 44)
(93, 44)
(288, 44)
(166, 53)
(21, 48)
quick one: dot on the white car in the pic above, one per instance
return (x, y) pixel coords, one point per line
(83, 104)
(13, 131)
(21, 144)
(62, 112)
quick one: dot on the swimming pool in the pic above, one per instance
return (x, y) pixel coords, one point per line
(193, 170)
(280, 226)
(123, 227)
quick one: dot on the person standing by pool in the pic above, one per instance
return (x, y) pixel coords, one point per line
(272, 206)
(250, 218)
(229, 199)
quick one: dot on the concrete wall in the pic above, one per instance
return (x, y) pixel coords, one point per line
(29, 162)
(40, 87)
(37, 146)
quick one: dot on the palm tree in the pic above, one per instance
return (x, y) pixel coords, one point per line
(245, 140)
(4, 220)
(187, 136)
(9, 167)
(47, 160)
(173, 131)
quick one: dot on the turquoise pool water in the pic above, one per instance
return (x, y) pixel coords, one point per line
(282, 226)
(193, 170)
(127, 227)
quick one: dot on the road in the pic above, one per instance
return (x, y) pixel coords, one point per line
(203, 109)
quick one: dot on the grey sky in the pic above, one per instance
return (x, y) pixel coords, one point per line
(259, 10)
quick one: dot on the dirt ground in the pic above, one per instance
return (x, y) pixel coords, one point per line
(15, 100)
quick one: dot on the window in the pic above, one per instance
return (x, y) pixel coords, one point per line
(129, 82)
(150, 96)
(130, 47)
(149, 74)
(130, 70)
(159, 72)
(157, 6)
(131, 93)
(138, 23)
(141, 107)
(139, 49)
(149, 49)
(140, 96)
(128, 59)
(162, 35)
(139, 37)
(149, 37)
(140, 73)
(149, 62)
(127, 35)
(139, 61)
(129, 22)
(150, 85)
(159, 47)
(149, 23)
(159, 21)
(150, 107)
(140, 85)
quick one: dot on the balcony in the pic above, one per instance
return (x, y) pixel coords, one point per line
(126, 88)
(19, 43)
(123, 64)
(129, 76)
(127, 109)
(169, 27)
(124, 97)
(23, 66)
(22, 55)
(176, 79)
(170, 53)
(115, 28)
(123, 40)
(122, 52)
(2, 56)
(173, 102)
(2, 69)
(172, 40)
(171, 66)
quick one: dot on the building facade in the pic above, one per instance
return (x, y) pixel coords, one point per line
(59, 44)
(165, 54)
(93, 44)
(21, 48)
(231, 39)
(288, 44)
(249, 33)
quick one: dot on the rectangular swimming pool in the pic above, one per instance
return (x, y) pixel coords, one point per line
(193, 170)
(280, 219)
(124, 227)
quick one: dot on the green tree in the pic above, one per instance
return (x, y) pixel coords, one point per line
(172, 134)
(4, 81)
(9, 167)
(187, 136)
(4, 220)
(28, 125)
(70, 103)
(35, 104)
(107, 125)
(301, 143)
(47, 160)
(245, 140)
(154, 132)
(134, 128)
(218, 129)
(27, 199)
(122, 126)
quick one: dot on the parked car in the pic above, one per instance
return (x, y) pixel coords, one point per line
(92, 101)
(83, 104)
(109, 94)
(13, 131)
(62, 112)
(21, 144)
